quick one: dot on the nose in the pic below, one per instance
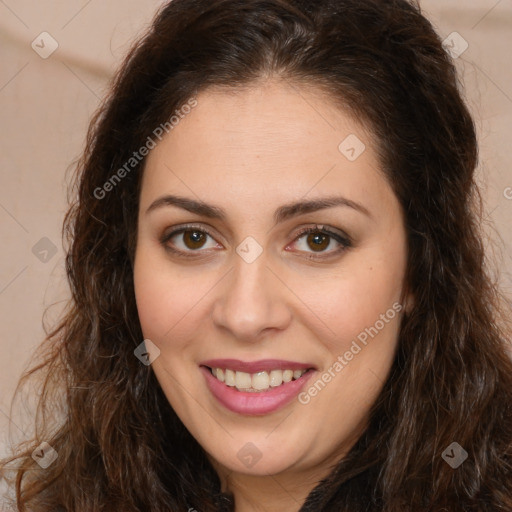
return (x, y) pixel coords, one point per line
(251, 301)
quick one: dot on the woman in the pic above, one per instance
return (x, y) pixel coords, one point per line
(279, 293)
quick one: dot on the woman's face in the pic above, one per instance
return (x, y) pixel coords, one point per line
(239, 287)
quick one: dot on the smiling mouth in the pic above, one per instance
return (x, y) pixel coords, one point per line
(256, 382)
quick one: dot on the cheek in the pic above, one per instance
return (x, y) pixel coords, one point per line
(350, 301)
(152, 299)
(360, 306)
(156, 294)
(169, 298)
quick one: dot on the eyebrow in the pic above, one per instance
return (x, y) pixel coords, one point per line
(281, 214)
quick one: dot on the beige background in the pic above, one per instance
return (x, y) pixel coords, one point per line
(45, 106)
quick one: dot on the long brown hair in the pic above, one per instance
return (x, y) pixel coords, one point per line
(120, 445)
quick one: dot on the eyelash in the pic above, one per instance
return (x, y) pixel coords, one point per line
(343, 240)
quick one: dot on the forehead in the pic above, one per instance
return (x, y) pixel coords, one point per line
(273, 140)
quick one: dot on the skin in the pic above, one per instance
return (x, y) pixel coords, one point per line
(250, 152)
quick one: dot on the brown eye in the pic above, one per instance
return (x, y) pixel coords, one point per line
(318, 241)
(321, 241)
(194, 239)
(188, 239)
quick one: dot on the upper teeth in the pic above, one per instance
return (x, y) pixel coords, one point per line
(259, 381)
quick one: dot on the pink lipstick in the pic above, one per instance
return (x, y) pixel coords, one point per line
(261, 397)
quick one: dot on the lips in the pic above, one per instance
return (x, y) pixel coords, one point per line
(229, 381)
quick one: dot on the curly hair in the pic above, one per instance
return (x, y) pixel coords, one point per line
(120, 444)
